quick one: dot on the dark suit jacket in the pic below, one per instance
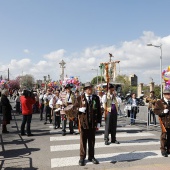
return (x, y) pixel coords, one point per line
(6, 109)
(94, 112)
(160, 105)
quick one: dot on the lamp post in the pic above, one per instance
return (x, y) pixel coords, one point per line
(101, 73)
(159, 46)
(97, 74)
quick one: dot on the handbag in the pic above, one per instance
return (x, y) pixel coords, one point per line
(128, 107)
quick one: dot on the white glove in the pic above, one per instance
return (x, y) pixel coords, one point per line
(166, 111)
(82, 109)
(98, 125)
(56, 110)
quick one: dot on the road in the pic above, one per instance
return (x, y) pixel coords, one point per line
(49, 150)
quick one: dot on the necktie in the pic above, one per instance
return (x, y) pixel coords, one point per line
(168, 103)
(89, 99)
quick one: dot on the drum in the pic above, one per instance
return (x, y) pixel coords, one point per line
(70, 112)
(57, 106)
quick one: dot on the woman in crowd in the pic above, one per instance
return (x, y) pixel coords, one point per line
(27, 101)
(6, 110)
(134, 102)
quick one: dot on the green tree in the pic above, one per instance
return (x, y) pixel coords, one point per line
(157, 91)
(124, 80)
(94, 80)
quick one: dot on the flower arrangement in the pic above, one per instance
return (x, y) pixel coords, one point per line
(71, 80)
(4, 84)
(166, 77)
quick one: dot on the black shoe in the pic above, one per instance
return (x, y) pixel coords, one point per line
(81, 162)
(93, 160)
(30, 134)
(164, 153)
(72, 132)
(45, 123)
(63, 133)
(106, 143)
(23, 134)
(115, 141)
(5, 131)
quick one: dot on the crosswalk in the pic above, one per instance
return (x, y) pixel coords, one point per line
(135, 144)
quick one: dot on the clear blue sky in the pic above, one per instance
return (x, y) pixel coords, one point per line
(43, 26)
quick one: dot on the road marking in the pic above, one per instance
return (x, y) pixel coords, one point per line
(104, 158)
(102, 128)
(118, 135)
(100, 145)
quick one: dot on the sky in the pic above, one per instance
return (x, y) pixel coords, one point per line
(36, 35)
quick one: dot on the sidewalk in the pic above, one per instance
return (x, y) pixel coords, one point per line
(21, 152)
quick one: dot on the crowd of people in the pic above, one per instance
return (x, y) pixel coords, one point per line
(83, 110)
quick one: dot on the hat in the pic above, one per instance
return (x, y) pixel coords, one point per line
(88, 84)
(111, 86)
(167, 90)
(68, 86)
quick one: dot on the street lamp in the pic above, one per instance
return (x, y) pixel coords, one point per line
(97, 74)
(159, 46)
(101, 73)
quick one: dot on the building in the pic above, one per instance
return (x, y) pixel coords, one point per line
(133, 80)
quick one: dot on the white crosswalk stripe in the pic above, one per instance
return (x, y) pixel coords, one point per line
(98, 145)
(118, 135)
(104, 158)
(136, 138)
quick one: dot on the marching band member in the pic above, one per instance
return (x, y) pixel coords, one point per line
(47, 109)
(69, 99)
(151, 100)
(54, 104)
(89, 119)
(111, 107)
(100, 95)
(162, 109)
(41, 101)
(77, 98)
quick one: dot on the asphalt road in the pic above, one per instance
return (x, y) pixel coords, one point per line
(49, 150)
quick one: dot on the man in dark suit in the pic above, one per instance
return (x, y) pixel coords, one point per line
(89, 119)
(162, 109)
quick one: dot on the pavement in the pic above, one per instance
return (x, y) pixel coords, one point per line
(49, 150)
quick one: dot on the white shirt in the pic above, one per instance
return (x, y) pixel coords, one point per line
(88, 97)
(166, 100)
(46, 96)
(70, 100)
(134, 102)
(104, 99)
(58, 101)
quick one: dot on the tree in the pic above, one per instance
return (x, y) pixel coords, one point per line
(124, 80)
(27, 81)
(94, 80)
(14, 84)
(157, 91)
